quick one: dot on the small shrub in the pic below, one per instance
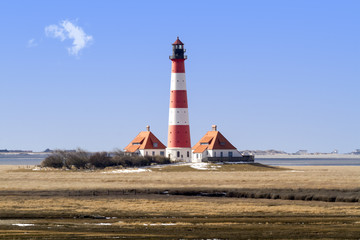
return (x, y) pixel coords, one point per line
(78, 159)
(161, 160)
(117, 161)
(83, 159)
(100, 160)
(54, 161)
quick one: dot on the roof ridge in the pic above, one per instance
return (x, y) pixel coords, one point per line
(147, 141)
(218, 141)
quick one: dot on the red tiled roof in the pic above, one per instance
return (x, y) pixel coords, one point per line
(132, 148)
(138, 139)
(201, 148)
(177, 42)
(215, 141)
(206, 139)
(144, 140)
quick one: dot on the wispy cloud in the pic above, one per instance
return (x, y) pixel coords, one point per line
(68, 30)
(32, 43)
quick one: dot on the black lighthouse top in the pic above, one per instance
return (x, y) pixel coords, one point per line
(178, 50)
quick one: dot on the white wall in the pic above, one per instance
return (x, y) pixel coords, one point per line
(149, 152)
(172, 153)
(178, 116)
(217, 153)
(178, 81)
(197, 157)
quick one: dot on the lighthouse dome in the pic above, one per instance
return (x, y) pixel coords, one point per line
(178, 42)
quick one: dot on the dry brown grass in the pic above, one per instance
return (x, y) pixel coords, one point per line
(314, 177)
(50, 200)
(160, 205)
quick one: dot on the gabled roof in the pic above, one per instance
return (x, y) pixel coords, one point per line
(178, 42)
(212, 140)
(144, 140)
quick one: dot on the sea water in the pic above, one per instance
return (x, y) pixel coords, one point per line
(309, 161)
(22, 159)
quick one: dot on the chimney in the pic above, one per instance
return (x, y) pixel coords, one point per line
(148, 128)
(214, 127)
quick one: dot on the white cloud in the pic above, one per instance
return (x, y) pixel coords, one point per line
(32, 43)
(55, 32)
(68, 30)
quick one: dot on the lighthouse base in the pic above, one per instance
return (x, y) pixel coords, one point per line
(179, 154)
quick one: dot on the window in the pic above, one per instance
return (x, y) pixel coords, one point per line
(214, 154)
(180, 46)
(162, 153)
(178, 154)
(230, 154)
(153, 153)
(222, 143)
(135, 143)
(188, 154)
(221, 154)
(146, 153)
(204, 143)
(155, 144)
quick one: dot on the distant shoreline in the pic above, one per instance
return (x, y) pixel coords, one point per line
(269, 159)
(322, 155)
(305, 156)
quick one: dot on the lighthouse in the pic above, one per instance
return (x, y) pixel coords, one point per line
(179, 145)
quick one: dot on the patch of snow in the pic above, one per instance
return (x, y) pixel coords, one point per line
(132, 170)
(234, 163)
(166, 165)
(294, 171)
(23, 224)
(159, 224)
(36, 169)
(103, 224)
(203, 166)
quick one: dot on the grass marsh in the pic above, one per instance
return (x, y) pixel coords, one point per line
(74, 204)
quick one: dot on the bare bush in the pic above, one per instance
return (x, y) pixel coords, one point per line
(83, 159)
(54, 161)
(100, 160)
(78, 159)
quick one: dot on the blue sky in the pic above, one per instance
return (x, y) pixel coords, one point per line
(271, 74)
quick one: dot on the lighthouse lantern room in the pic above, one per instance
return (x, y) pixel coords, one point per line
(179, 145)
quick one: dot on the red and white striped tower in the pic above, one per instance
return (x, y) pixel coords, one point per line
(179, 145)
